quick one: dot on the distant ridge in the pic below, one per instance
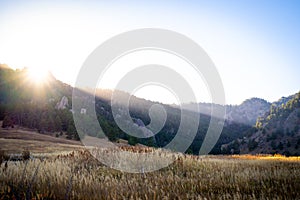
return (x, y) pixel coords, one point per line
(278, 131)
(247, 112)
(24, 104)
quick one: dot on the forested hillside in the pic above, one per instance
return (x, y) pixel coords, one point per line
(47, 108)
(25, 103)
(278, 131)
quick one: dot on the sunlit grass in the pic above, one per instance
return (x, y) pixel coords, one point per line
(79, 176)
(278, 157)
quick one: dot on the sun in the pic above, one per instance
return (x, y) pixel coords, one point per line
(38, 75)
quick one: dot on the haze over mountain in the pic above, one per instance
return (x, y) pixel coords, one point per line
(247, 112)
(47, 107)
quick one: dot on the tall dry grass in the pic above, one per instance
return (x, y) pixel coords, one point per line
(79, 176)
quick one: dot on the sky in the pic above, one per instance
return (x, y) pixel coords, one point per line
(254, 44)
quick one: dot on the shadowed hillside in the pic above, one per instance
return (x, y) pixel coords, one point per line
(47, 108)
(278, 131)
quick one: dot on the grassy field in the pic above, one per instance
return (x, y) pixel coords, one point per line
(18, 140)
(78, 176)
(62, 169)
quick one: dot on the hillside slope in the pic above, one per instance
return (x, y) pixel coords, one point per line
(278, 131)
(47, 108)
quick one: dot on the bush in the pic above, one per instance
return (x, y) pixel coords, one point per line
(7, 122)
(3, 156)
(25, 155)
(69, 137)
(189, 151)
(132, 141)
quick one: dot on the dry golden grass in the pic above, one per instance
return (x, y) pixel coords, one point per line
(79, 176)
(277, 157)
(18, 140)
(26, 134)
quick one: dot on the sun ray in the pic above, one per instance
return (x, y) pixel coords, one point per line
(38, 75)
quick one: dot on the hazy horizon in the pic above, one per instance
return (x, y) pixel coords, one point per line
(254, 46)
(143, 93)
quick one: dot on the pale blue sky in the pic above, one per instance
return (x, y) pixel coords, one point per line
(254, 44)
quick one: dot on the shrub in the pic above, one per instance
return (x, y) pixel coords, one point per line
(7, 122)
(25, 155)
(69, 137)
(189, 151)
(132, 141)
(3, 156)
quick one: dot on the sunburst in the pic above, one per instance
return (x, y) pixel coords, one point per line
(38, 75)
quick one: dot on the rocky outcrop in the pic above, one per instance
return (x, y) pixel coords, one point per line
(62, 104)
(245, 113)
(140, 125)
(248, 111)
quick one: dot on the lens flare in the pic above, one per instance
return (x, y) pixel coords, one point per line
(38, 75)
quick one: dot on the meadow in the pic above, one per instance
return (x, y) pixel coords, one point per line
(77, 175)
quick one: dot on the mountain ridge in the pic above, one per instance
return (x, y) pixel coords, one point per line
(277, 131)
(52, 111)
